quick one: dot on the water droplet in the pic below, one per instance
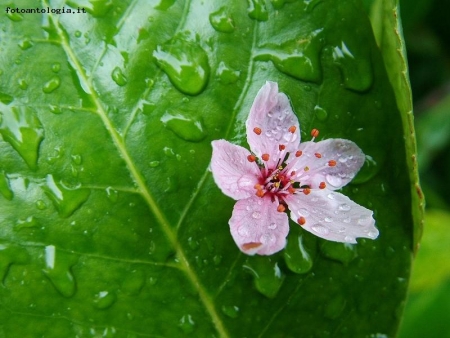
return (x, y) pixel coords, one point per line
(272, 226)
(231, 311)
(243, 231)
(372, 234)
(133, 282)
(51, 85)
(333, 180)
(118, 77)
(268, 277)
(298, 253)
(185, 63)
(297, 58)
(112, 194)
(187, 324)
(193, 243)
(40, 204)
(154, 164)
(335, 307)
(58, 266)
(25, 44)
(344, 207)
(22, 84)
(97, 8)
(29, 222)
(66, 200)
(217, 259)
(321, 113)
(303, 212)
(256, 215)
(227, 75)
(104, 299)
(5, 188)
(364, 220)
(331, 196)
(16, 17)
(76, 159)
(320, 229)
(356, 69)
(328, 219)
(21, 128)
(56, 67)
(165, 4)
(221, 21)
(5, 98)
(77, 34)
(341, 252)
(188, 128)
(257, 10)
(367, 172)
(11, 254)
(55, 109)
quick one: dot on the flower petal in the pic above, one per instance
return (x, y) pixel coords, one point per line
(232, 171)
(257, 227)
(271, 124)
(314, 167)
(332, 216)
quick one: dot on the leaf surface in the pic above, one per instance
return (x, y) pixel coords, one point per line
(110, 222)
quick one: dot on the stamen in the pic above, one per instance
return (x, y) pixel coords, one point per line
(318, 155)
(251, 158)
(314, 133)
(306, 191)
(265, 157)
(298, 153)
(257, 131)
(322, 185)
(306, 168)
(281, 208)
(281, 147)
(291, 190)
(331, 163)
(258, 186)
(292, 129)
(301, 220)
(259, 193)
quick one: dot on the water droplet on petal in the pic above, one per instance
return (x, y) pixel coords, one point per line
(328, 219)
(256, 215)
(331, 196)
(344, 207)
(272, 226)
(185, 63)
(335, 181)
(320, 229)
(188, 128)
(118, 76)
(51, 85)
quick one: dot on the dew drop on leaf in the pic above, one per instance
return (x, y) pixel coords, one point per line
(25, 44)
(51, 85)
(267, 276)
(56, 67)
(5, 98)
(221, 21)
(16, 17)
(368, 171)
(257, 10)
(23, 84)
(112, 194)
(154, 164)
(10, 254)
(186, 324)
(321, 113)
(104, 299)
(231, 311)
(187, 128)
(185, 63)
(118, 77)
(335, 306)
(298, 253)
(341, 252)
(21, 128)
(227, 75)
(29, 222)
(5, 188)
(40, 204)
(57, 269)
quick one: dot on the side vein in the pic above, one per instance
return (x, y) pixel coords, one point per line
(139, 180)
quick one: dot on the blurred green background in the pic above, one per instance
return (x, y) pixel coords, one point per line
(426, 25)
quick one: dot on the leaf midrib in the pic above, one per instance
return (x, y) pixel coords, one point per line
(137, 177)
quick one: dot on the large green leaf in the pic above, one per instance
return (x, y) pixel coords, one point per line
(110, 222)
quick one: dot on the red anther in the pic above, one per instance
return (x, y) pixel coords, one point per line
(292, 129)
(301, 220)
(322, 185)
(298, 153)
(291, 190)
(257, 131)
(293, 173)
(265, 157)
(318, 155)
(251, 158)
(315, 132)
(259, 193)
(306, 191)
(331, 163)
(281, 208)
(251, 245)
(281, 147)
(258, 186)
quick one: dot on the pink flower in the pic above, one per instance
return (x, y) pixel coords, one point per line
(281, 173)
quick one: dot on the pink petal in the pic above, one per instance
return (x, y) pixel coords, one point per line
(332, 216)
(313, 166)
(257, 227)
(271, 115)
(232, 171)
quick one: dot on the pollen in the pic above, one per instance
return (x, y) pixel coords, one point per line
(292, 129)
(257, 131)
(281, 147)
(301, 220)
(265, 157)
(322, 185)
(258, 186)
(251, 158)
(306, 191)
(318, 155)
(298, 153)
(281, 208)
(332, 163)
(315, 132)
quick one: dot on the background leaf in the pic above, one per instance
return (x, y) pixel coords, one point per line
(110, 222)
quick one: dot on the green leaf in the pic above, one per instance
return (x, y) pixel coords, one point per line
(110, 222)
